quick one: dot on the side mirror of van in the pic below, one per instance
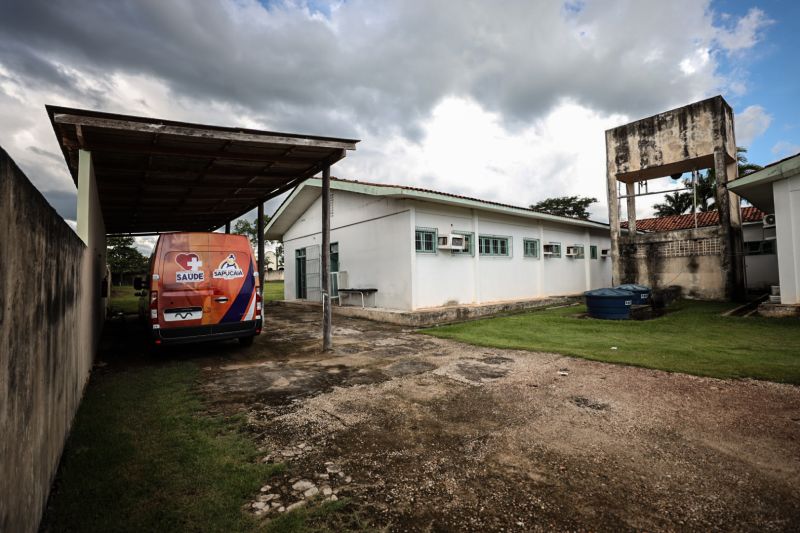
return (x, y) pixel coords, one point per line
(138, 283)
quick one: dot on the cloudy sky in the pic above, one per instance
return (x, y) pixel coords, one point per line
(505, 101)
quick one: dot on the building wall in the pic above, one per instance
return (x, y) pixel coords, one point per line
(690, 259)
(49, 308)
(787, 227)
(761, 271)
(374, 245)
(376, 249)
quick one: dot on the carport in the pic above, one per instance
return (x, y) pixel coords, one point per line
(145, 176)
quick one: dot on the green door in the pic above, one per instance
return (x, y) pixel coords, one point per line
(300, 273)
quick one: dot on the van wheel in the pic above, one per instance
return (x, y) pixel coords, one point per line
(246, 341)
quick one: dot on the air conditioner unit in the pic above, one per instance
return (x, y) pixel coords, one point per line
(452, 241)
(574, 251)
(768, 221)
(605, 253)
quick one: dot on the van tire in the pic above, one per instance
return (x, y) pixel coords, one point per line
(246, 341)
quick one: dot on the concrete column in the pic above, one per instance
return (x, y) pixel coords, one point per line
(260, 241)
(476, 260)
(613, 221)
(630, 191)
(327, 340)
(86, 193)
(540, 264)
(412, 285)
(731, 247)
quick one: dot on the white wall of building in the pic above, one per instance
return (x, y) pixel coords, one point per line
(376, 249)
(786, 194)
(375, 244)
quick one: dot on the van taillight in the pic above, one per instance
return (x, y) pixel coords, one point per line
(154, 308)
(258, 304)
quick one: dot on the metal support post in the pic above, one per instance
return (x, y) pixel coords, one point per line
(326, 259)
(260, 235)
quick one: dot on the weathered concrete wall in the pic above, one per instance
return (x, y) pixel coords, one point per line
(693, 137)
(49, 290)
(690, 259)
(674, 141)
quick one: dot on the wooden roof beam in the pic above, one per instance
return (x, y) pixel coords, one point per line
(202, 133)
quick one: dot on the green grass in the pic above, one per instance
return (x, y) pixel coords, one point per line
(142, 456)
(691, 338)
(273, 290)
(124, 300)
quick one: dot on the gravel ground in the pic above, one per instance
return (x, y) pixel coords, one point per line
(433, 435)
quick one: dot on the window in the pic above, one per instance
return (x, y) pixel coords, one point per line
(334, 257)
(593, 252)
(531, 247)
(491, 245)
(759, 247)
(469, 243)
(575, 251)
(552, 249)
(425, 241)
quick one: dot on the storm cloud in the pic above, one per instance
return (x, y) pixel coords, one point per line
(377, 71)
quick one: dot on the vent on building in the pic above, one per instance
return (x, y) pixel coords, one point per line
(769, 221)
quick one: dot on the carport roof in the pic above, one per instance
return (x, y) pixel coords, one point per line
(157, 175)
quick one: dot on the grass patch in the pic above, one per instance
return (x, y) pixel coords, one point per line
(142, 456)
(691, 338)
(124, 300)
(273, 290)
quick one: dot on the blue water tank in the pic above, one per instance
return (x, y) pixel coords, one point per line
(609, 304)
(642, 293)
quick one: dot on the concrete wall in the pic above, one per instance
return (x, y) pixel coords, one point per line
(48, 295)
(693, 137)
(787, 227)
(376, 249)
(674, 141)
(690, 259)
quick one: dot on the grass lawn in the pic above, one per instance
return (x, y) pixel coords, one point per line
(124, 300)
(691, 338)
(273, 290)
(143, 457)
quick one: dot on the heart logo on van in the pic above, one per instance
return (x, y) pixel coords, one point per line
(189, 262)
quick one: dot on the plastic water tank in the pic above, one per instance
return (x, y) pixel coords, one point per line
(609, 304)
(642, 293)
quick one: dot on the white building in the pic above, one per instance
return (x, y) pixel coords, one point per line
(387, 237)
(775, 189)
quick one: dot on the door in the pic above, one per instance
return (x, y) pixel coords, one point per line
(334, 288)
(300, 274)
(313, 268)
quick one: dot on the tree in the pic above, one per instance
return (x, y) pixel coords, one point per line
(707, 181)
(566, 206)
(123, 258)
(249, 229)
(676, 203)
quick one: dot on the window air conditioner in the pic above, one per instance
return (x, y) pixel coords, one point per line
(768, 221)
(451, 242)
(572, 251)
(604, 253)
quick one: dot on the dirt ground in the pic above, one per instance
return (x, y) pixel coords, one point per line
(432, 435)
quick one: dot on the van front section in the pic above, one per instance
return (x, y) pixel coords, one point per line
(204, 286)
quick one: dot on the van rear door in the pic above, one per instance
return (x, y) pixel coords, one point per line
(207, 279)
